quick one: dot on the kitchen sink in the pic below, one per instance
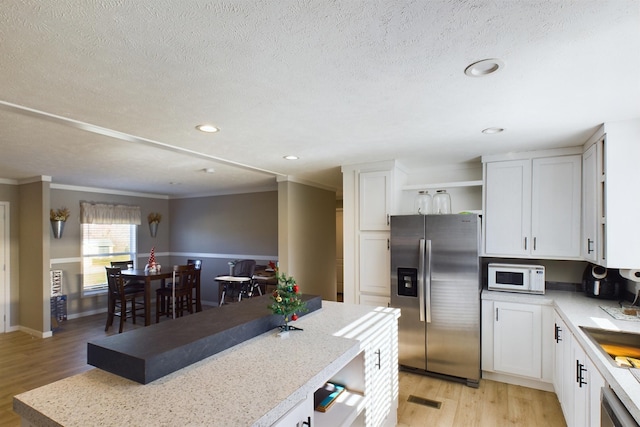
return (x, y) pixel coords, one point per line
(623, 348)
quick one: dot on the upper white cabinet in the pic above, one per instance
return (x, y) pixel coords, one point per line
(375, 200)
(591, 212)
(617, 238)
(532, 205)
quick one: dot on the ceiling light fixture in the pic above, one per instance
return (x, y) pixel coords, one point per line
(491, 131)
(290, 157)
(207, 128)
(208, 170)
(484, 67)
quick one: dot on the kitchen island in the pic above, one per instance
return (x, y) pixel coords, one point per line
(262, 381)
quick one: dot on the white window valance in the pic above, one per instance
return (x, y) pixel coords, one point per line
(104, 213)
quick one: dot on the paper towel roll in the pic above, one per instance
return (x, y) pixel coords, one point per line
(630, 274)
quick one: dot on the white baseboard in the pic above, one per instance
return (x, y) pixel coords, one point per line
(512, 379)
(35, 333)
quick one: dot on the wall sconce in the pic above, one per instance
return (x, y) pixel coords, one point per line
(154, 219)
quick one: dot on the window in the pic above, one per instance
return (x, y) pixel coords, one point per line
(101, 244)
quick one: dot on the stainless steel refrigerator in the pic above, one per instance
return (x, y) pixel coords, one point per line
(435, 281)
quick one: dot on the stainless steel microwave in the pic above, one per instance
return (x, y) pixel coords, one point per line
(516, 278)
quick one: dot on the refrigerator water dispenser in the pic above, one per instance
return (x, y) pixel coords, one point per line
(408, 282)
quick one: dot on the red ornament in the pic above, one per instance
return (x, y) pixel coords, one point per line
(294, 316)
(296, 288)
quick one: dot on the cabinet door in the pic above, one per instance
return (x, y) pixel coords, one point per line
(586, 389)
(378, 381)
(517, 339)
(556, 208)
(375, 200)
(300, 415)
(589, 245)
(507, 207)
(375, 263)
(561, 383)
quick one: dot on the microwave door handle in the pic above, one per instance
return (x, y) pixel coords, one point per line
(421, 279)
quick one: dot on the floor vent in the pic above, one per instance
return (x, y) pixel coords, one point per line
(425, 402)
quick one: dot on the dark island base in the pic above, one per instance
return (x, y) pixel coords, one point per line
(146, 354)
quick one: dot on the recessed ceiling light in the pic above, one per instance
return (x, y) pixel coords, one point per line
(208, 170)
(484, 67)
(490, 131)
(207, 128)
(291, 157)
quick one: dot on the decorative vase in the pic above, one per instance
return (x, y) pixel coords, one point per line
(57, 227)
(153, 228)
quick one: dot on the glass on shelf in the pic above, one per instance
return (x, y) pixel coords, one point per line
(423, 203)
(442, 202)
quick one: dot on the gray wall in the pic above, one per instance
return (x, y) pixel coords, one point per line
(220, 229)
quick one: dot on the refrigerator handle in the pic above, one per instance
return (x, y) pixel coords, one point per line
(421, 279)
(427, 278)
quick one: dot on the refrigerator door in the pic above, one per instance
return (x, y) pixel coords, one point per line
(407, 291)
(453, 335)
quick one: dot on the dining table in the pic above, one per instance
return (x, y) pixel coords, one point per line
(149, 276)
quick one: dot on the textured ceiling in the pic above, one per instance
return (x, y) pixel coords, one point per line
(108, 93)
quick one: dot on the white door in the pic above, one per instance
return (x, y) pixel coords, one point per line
(4, 266)
(517, 335)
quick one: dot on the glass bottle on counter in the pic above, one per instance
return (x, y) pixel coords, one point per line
(423, 203)
(442, 202)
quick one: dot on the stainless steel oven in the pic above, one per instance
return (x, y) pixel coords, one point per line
(612, 411)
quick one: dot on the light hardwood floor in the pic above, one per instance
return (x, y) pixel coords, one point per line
(27, 363)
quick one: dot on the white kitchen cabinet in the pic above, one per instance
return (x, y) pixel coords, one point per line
(300, 415)
(374, 373)
(586, 389)
(375, 200)
(507, 207)
(532, 205)
(590, 215)
(375, 264)
(617, 146)
(576, 380)
(370, 196)
(517, 339)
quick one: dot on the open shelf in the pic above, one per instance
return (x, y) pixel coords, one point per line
(442, 185)
(343, 412)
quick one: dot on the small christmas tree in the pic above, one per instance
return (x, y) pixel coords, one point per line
(286, 299)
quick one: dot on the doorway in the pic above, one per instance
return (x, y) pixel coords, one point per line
(4, 266)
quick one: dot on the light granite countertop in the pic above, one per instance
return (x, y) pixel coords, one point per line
(253, 383)
(576, 309)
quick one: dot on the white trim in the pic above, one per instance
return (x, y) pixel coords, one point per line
(227, 192)
(107, 191)
(7, 267)
(221, 256)
(86, 313)
(41, 178)
(8, 181)
(291, 178)
(35, 333)
(524, 155)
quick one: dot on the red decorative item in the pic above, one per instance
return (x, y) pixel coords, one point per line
(294, 316)
(152, 258)
(296, 289)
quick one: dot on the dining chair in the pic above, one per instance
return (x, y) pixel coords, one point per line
(198, 265)
(173, 300)
(123, 302)
(130, 283)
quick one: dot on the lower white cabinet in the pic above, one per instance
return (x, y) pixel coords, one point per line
(514, 349)
(370, 379)
(517, 345)
(375, 264)
(579, 382)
